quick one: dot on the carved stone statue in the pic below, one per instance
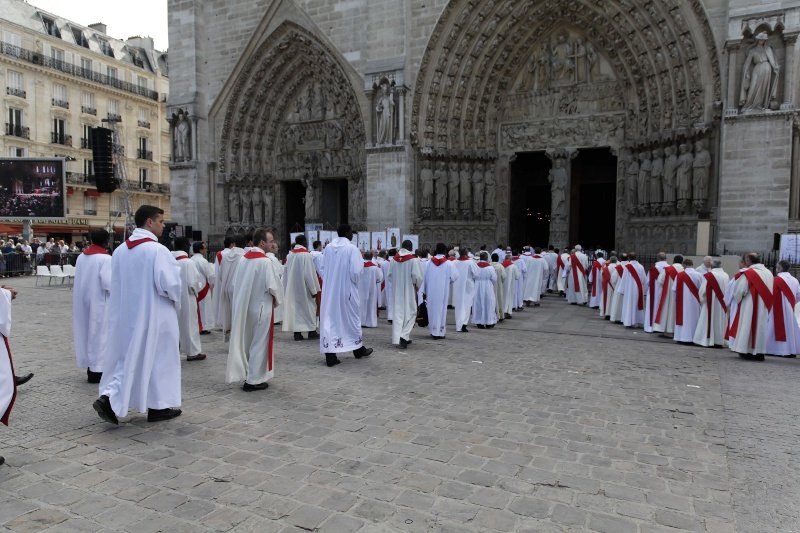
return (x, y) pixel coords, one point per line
(465, 186)
(670, 168)
(477, 189)
(700, 170)
(258, 203)
(563, 66)
(266, 196)
(452, 188)
(181, 128)
(683, 176)
(440, 182)
(311, 198)
(558, 188)
(233, 204)
(656, 177)
(426, 186)
(244, 198)
(385, 114)
(759, 76)
(631, 180)
(643, 185)
(490, 189)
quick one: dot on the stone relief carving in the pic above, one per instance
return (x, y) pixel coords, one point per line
(759, 77)
(598, 130)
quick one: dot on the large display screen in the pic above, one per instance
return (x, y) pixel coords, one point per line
(32, 188)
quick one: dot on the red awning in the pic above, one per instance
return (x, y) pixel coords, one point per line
(94, 194)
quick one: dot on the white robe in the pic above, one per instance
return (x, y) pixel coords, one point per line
(463, 290)
(437, 284)
(217, 292)
(499, 289)
(747, 341)
(615, 308)
(513, 275)
(733, 306)
(387, 289)
(90, 295)
(596, 279)
(227, 271)
(713, 322)
(188, 325)
(664, 321)
(575, 278)
(340, 310)
(280, 271)
(652, 294)
(560, 280)
(205, 301)
(405, 275)
(142, 362)
(791, 330)
(257, 292)
(687, 304)
(551, 258)
(519, 285)
(8, 386)
(301, 286)
(607, 289)
(484, 302)
(536, 280)
(369, 287)
(632, 294)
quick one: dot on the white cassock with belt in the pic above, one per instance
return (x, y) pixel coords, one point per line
(90, 295)
(301, 286)
(405, 275)
(188, 318)
(513, 275)
(340, 310)
(463, 290)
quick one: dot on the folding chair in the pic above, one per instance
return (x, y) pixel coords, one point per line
(56, 272)
(69, 271)
(43, 272)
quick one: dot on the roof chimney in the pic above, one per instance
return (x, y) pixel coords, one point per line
(99, 27)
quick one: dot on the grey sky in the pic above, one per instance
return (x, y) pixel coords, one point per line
(124, 19)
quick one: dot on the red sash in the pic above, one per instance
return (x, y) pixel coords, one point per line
(537, 256)
(368, 264)
(559, 264)
(94, 249)
(734, 325)
(219, 257)
(451, 258)
(757, 289)
(300, 250)
(651, 286)
(683, 279)
(620, 270)
(670, 273)
(408, 257)
(574, 261)
(780, 290)
(483, 264)
(606, 276)
(182, 257)
(438, 261)
(712, 289)
(595, 267)
(507, 263)
(133, 244)
(254, 255)
(640, 303)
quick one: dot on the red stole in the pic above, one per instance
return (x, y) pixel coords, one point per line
(507, 263)
(682, 280)
(670, 273)
(780, 290)
(757, 289)
(182, 257)
(635, 275)
(559, 264)
(219, 257)
(483, 264)
(651, 285)
(596, 267)
(300, 250)
(94, 249)
(403, 258)
(438, 261)
(133, 244)
(368, 264)
(465, 258)
(712, 289)
(254, 255)
(606, 276)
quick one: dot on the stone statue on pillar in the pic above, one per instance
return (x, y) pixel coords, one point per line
(700, 172)
(683, 177)
(759, 77)
(670, 168)
(631, 181)
(266, 196)
(559, 181)
(440, 182)
(312, 211)
(490, 190)
(465, 186)
(426, 186)
(233, 204)
(258, 203)
(656, 178)
(477, 190)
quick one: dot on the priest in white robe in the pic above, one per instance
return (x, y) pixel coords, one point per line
(499, 287)
(227, 271)
(205, 298)
(730, 301)
(369, 288)
(519, 287)
(536, 280)
(437, 284)
(301, 289)
(143, 363)
(464, 289)
(340, 309)
(280, 271)
(405, 276)
(551, 257)
(712, 324)
(609, 271)
(631, 287)
(387, 285)
(665, 310)
(687, 302)
(258, 291)
(753, 294)
(316, 255)
(561, 265)
(596, 281)
(90, 294)
(484, 303)
(783, 330)
(513, 275)
(216, 294)
(192, 282)
(615, 314)
(8, 386)
(653, 296)
(575, 274)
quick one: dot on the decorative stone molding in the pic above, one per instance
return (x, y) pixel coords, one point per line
(771, 24)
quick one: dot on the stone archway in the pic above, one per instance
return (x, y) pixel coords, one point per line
(292, 116)
(499, 78)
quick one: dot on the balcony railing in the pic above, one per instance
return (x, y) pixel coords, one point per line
(75, 178)
(15, 130)
(60, 103)
(88, 110)
(114, 116)
(86, 143)
(56, 64)
(144, 124)
(144, 154)
(13, 91)
(60, 138)
(90, 212)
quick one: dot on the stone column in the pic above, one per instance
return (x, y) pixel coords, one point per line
(401, 116)
(733, 82)
(788, 71)
(560, 186)
(794, 180)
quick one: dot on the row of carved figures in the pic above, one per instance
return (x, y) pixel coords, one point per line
(668, 180)
(319, 163)
(457, 189)
(250, 205)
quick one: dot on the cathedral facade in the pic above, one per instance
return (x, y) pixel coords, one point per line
(646, 124)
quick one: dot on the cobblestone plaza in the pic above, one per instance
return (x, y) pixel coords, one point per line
(553, 421)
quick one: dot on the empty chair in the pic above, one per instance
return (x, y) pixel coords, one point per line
(41, 273)
(69, 272)
(57, 273)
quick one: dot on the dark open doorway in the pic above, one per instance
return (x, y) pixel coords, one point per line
(333, 207)
(294, 200)
(530, 200)
(593, 198)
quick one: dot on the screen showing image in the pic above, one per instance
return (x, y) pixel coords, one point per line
(32, 188)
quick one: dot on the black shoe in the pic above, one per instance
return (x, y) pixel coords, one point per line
(331, 359)
(362, 352)
(537, 304)
(791, 356)
(298, 336)
(403, 343)
(408, 341)
(390, 321)
(157, 415)
(313, 335)
(247, 387)
(450, 307)
(489, 326)
(508, 315)
(198, 357)
(103, 407)
(93, 377)
(481, 326)
(205, 332)
(21, 380)
(2, 460)
(751, 357)
(436, 338)
(464, 329)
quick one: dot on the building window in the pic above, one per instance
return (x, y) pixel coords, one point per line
(86, 138)
(80, 39)
(86, 68)
(113, 110)
(15, 84)
(115, 206)
(88, 167)
(113, 76)
(89, 205)
(14, 125)
(143, 178)
(87, 103)
(141, 83)
(106, 48)
(16, 151)
(50, 26)
(14, 39)
(59, 133)
(144, 117)
(60, 96)
(143, 152)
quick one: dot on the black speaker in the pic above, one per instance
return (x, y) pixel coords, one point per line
(197, 235)
(103, 159)
(776, 241)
